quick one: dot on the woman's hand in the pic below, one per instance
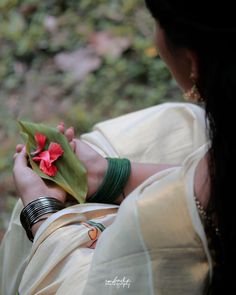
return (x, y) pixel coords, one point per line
(94, 163)
(28, 184)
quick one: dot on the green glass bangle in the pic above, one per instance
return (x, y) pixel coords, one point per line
(114, 182)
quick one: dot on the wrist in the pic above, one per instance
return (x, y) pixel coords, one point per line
(96, 176)
(28, 198)
(33, 194)
(36, 226)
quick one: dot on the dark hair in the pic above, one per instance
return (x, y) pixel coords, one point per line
(210, 32)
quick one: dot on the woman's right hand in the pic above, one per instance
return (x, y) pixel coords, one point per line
(28, 184)
(94, 163)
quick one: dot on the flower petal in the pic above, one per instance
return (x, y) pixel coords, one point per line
(48, 168)
(46, 159)
(40, 141)
(45, 156)
(36, 159)
(55, 151)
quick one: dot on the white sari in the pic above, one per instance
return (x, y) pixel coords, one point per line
(154, 243)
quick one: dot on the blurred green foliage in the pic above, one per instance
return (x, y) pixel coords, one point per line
(33, 33)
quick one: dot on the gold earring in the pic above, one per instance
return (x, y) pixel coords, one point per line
(193, 94)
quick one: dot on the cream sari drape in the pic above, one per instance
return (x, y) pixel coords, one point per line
(155, 244)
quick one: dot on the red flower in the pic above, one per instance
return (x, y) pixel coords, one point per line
(41, 141)
(46, 158)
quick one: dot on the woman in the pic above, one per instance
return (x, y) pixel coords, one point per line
(174, 232)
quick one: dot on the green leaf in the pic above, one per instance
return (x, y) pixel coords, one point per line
(71, 174)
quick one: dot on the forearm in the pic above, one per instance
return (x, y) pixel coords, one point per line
(139, 173)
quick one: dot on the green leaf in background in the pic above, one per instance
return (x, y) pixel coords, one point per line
(71, 174)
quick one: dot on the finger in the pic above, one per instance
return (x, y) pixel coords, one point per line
(70, 134)
(15, 155)
(20, 159)
(61, 127)
(73, 145)
(19, 148)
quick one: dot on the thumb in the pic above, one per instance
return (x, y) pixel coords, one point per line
(20, 159)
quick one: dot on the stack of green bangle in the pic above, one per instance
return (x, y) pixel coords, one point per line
(117, 175)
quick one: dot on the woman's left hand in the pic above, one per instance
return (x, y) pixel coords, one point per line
(28, 184)
(95, 164)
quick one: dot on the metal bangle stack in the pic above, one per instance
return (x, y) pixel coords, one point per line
(33, 212)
